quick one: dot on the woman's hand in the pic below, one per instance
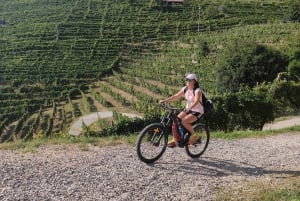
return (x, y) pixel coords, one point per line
(162, 101)
(186, 110)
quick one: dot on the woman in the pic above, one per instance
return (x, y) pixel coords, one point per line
(193, 109)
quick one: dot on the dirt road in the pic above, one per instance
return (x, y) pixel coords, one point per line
(290, 121)
(76, 127)
(61, 172)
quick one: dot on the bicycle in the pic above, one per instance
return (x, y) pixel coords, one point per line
(153, 139)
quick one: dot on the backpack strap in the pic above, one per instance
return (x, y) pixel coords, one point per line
(185, 90)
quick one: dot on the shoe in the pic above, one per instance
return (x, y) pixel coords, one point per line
(193, 139)
(172, 144)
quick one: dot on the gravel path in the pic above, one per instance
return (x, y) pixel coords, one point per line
(289, 122)
(64, 172)
(76, 127)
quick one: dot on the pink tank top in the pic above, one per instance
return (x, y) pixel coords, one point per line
(189, 96)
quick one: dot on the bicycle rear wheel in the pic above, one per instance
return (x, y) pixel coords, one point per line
(201, 144)
(151, 143)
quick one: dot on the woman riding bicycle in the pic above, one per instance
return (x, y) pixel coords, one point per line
(193, 109)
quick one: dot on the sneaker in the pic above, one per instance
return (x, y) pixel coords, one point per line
(193, 139)
(172, 144)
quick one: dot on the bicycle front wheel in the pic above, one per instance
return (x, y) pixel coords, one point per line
(198, 148)
(151, 143)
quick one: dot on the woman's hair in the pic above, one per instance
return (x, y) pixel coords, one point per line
(196, 85)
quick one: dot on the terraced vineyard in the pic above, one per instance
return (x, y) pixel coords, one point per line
(63, 59)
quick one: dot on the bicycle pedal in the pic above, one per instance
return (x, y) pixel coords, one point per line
(180, 145)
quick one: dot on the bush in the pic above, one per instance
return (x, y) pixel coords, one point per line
(245, 63)
(294, 12)
(124, 126)
(215, 11)
(246, 109)
(294, 66)
(286, 95)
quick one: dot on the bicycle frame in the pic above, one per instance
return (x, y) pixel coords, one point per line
(152, 140)
(171, 117)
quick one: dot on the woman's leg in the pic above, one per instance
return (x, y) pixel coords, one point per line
(172, 143)
(187, 121)
(181, 115)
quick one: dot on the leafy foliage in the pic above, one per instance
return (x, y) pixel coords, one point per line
(245, 63)
(294, 66)
(52, 51)
(246, 109)
(123, 126)
(294, 12)
(286, 93)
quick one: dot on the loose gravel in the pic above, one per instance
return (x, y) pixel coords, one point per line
(65, 172)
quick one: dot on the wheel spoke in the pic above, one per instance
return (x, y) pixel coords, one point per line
(200, 145)
(151, 143)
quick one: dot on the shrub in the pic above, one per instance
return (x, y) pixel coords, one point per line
(294, 12)
(246, 109)
(245, 63)
(294, 65)
(286, 95)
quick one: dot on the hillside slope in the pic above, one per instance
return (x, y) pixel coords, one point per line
(54, 53)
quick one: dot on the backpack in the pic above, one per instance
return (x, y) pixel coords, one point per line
(207, 103)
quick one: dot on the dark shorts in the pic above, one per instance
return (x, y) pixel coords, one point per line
(196, 114)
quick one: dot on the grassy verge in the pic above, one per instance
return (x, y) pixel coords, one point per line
(247, 134)
(262, 190)
(84, 142)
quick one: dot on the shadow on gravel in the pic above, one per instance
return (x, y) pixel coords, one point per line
(209, 166)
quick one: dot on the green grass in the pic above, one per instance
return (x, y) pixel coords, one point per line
(247, 134)
(84, 141)
(64, 45)
(280, 190)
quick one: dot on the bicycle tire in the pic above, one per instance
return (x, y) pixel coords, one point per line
(151, 143)
(197, 149)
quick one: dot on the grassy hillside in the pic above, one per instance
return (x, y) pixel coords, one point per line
(56, 56)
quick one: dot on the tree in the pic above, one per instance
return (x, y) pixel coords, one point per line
(245, 63)
(294, 66)
(294, 12)
(203, 48)
(215, 11)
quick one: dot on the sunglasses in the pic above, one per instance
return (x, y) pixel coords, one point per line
(188, 80)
